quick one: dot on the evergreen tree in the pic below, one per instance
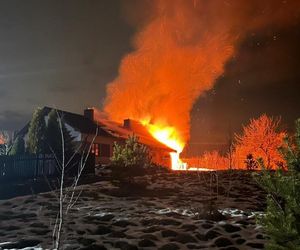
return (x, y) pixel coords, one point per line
(53, 136)
(132, 154)
(36, 133)
(282, 218)
(18, 147)
(130, 160)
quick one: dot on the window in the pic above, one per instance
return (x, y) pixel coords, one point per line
(101, 150)
(95, 149)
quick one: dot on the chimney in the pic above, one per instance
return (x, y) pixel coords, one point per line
(127, 124)
(89, 113)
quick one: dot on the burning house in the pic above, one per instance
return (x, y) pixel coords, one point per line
(84, 127)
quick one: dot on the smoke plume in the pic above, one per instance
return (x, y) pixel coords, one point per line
(180, 49)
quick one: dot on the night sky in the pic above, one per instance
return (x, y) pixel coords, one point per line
(57, 53)
(63, 53)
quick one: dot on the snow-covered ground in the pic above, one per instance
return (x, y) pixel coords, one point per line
(174, 211)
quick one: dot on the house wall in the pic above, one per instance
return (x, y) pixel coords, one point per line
(103, 140)
(161, 157)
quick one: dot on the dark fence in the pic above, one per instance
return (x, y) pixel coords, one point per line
(35, 166)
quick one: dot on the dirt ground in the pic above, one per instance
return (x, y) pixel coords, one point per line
(206, 210)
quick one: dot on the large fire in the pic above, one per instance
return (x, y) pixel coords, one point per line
(168, 136)
(179, 51)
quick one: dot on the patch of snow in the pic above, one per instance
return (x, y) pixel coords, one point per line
(74, 133)
(233, 212)
(85, 207)
(122, 218)
(32, 248)
(101, 214)
(184, 212)
(3, 244)
(164, 211)
(188, 213)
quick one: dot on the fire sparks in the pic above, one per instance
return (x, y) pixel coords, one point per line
(168, 136)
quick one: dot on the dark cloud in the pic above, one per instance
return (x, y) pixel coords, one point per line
(58, 53)
(3, 93)
(12, 120)
(60, 87)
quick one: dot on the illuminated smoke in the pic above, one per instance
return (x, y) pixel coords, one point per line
(180, 49)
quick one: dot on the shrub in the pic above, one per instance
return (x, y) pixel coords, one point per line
(130, 159)
(251, 163)
(282, 218)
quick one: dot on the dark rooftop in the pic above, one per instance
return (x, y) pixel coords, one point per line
(108, 128)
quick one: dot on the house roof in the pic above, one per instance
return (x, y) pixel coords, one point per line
(135, 128)
(76, 121)
(106, 128)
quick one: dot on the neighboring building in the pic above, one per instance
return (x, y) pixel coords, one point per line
(83, 128)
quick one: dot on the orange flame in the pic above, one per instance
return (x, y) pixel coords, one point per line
(170, 137)
(179, 52)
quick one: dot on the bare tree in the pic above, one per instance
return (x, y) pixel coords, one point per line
(230, 153)
(66, 196)
(261, 137)
(230, 149)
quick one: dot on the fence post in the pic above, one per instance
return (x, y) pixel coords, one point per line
(36, 165)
